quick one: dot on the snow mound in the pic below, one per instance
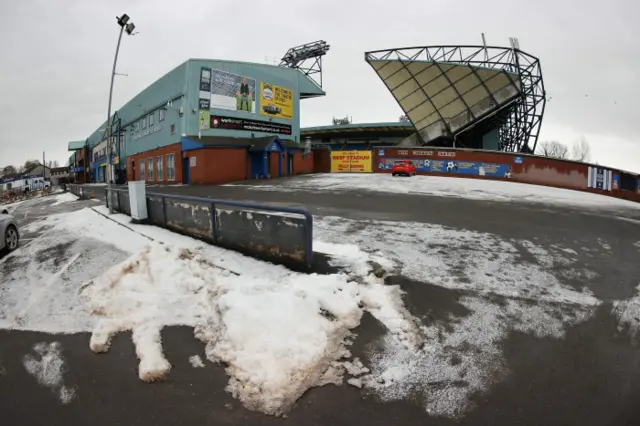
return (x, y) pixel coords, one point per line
(154, 288)
(48, 367)
(277, 332)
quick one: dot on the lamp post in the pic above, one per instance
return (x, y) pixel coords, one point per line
(127, 26)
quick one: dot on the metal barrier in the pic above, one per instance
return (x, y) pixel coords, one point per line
(274, 233)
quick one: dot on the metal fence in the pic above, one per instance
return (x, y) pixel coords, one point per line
(274, 233)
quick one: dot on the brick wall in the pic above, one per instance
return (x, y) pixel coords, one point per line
(133, 164)
(219, 165)
(321, 161)
(532, 169)
(302, 164)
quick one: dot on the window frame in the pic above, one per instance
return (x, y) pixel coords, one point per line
(150, 173)
(159, 168)
(171, 167)
(161, 113)
(152, 117)
(143, 177)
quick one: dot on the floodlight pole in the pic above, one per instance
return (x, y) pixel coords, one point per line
(124, 23)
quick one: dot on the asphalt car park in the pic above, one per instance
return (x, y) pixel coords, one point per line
(578, 367)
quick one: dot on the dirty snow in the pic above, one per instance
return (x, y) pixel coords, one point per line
(47, 366)
(475, 189)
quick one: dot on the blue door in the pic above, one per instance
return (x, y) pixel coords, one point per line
(185, 168)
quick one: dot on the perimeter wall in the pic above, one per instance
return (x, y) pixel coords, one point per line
(503, 166)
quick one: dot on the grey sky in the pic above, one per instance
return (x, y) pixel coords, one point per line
(56, 59)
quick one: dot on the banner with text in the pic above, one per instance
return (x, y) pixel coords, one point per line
(454, 167)
(351, 161)
(232, 123)
(276, 101)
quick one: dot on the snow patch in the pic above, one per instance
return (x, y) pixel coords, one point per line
(65, 197)
(47, 366)
(196, 361)
(628, 314)
(475, 189)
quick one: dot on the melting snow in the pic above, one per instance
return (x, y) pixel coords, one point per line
(48, 367)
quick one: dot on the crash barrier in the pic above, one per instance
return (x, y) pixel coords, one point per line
(78, 190)
(274, 233)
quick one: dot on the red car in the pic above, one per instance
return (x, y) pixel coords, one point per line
(403, 167)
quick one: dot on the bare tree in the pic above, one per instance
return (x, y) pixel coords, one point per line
(9, 170)
(581, 150)
(404, 118)
(30, 164)
(553, 149)
(52, 164)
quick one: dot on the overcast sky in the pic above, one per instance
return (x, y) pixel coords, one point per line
(57, 57)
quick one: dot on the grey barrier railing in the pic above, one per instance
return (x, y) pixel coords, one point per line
(274, 233)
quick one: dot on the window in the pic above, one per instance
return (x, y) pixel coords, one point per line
(171, 171)
(144, 123)
(142, 170)
(172, 129)
(150, 168)
(137, 126)
(131, 131)
(122, 145)
(151, 117)
(159, 170)
(161, 115)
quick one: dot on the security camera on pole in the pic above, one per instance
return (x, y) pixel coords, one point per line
(127, 26)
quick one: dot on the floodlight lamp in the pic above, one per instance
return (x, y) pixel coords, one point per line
(130, 28)
(122, 21)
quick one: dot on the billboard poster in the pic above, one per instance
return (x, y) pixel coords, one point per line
(276, 101)
(232, 92)
(234, 123)
(351, 161)
(598, 178)
(204, 102)
(451, 166)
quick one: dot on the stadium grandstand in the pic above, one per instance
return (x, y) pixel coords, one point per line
(480, 97)
(360, 136)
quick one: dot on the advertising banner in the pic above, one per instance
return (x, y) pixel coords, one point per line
(276, 101)
(233, 123)
(599, 178)
(232, 92)
(204, 118)
(351, 161)
(450, 166)
(204, 102)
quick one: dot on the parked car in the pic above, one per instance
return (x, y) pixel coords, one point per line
(403, 167)
(9, 234)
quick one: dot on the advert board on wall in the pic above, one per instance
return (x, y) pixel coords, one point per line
(451, 166)
(233, 123)
(276, 101)
(222, 90)
(232, 91)
(351, 161)
(598, 178)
